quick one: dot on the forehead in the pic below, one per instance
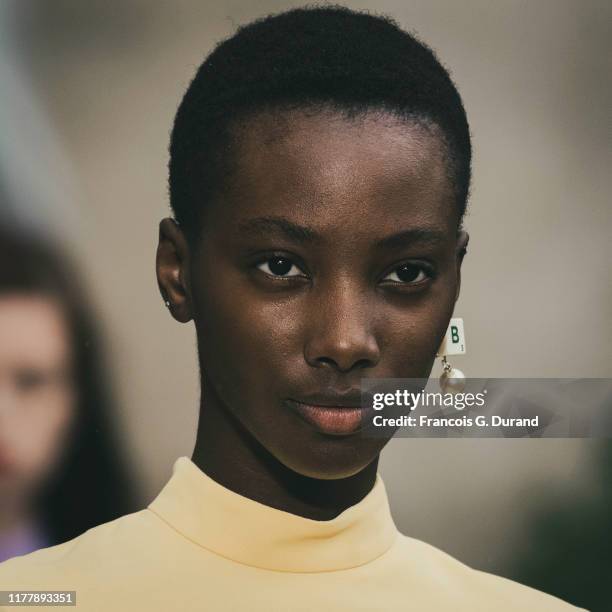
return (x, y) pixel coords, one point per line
(360, 173)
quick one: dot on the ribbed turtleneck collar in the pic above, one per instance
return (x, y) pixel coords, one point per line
(252, 533)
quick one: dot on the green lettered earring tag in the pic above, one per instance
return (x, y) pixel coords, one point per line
(453, 342)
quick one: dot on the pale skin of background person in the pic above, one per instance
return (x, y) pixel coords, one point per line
(37, 398)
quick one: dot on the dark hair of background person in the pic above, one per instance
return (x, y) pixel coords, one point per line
(91, 484)
(319, 57)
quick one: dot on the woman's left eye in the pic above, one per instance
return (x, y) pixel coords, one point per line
(279, 267)
(408, 274)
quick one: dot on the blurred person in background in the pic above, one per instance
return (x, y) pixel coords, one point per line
(61, 469)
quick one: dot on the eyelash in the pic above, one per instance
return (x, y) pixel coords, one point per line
(272, 258)
(422, 267)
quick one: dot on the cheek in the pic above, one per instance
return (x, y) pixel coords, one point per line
(34, 441)
(413, 334)
(245, 342)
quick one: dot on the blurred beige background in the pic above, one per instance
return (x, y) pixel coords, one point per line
(92, 90)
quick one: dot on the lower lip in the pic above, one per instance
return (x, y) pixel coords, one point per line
(338, 420)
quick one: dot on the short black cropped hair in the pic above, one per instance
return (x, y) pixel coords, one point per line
(327, 56)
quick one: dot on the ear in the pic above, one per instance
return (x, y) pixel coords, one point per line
(172, 268)
(462, 241)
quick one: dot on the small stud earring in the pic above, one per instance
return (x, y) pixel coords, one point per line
(452, 379)
(167, 303)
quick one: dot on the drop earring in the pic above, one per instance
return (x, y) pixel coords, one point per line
(452, 380)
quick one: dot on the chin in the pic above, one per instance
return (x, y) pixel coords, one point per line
(329, 463)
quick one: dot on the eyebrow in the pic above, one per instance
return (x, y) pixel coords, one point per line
(265, 226)
(417, 234)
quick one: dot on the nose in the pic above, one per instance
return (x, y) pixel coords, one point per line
(341, 332)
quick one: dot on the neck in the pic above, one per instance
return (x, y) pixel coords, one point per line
(231, 456)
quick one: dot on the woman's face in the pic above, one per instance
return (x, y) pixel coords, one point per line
(36, 392)
(331, 256)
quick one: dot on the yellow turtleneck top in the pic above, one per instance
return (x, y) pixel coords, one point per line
(200, 546)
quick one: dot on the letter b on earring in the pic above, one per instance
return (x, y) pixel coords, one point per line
(452, 380)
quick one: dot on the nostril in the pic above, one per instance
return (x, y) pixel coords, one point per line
(328, 361)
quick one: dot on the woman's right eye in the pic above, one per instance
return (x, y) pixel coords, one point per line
(279, 267)
(30, 380)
